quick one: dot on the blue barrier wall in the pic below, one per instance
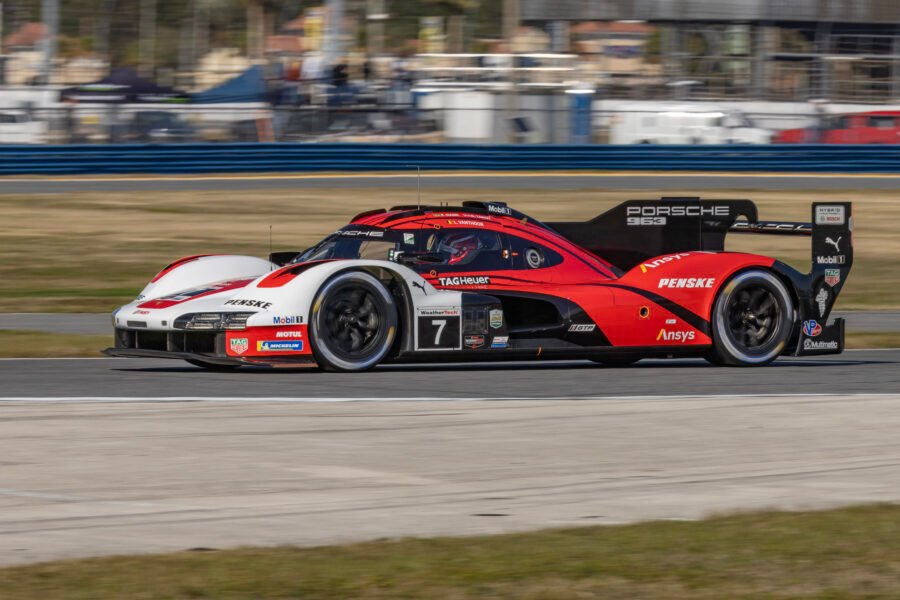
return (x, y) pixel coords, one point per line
(244, 158)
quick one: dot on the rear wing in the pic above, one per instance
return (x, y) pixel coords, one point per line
(638, 230)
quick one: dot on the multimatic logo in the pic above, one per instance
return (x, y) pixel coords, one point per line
(482, 280)
(251, 303)
(657, 214)
(809, 344)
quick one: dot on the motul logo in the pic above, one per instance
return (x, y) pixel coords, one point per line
(289, 334)
(675, 336)
(689, 282)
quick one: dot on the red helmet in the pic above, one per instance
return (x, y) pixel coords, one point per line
(460, 246)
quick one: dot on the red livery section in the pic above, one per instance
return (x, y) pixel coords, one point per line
(262, 342)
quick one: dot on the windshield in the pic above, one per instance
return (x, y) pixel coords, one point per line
(358, 242)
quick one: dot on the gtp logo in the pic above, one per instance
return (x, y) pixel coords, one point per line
(811, 328)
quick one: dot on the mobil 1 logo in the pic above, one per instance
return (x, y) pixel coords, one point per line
(438, 329)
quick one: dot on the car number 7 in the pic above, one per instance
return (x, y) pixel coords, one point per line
(441, 323)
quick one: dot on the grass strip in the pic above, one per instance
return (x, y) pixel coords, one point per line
(845, 553)
(42, 344)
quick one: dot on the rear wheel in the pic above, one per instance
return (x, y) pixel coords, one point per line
(353, 322)
(752, 320)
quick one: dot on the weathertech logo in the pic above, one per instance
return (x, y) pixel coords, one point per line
(675, 336)
(690, 282)
(464, 280)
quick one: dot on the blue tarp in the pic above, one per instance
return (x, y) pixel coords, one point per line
(249, 86)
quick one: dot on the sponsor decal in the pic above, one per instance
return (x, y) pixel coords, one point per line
(239, 345)
(474, 341)
(496, 318)
(822, 301)
(662, 260)
(481, 280)
(689, 282)
(361, 233)
(466, 223)
(288, 320)
(830, 215)
(671, 321)
(142, 312)
(832, 277)
(500, 341)
(658, 214)
(809, 344)
(278, 346)
(533, 258)
(582, 327)
(811, 328)
(409, 239)
(247, 302)
(835, 243)
(289, 334)
(500, 210)
(439, 312)
(675, 336)
(839, 259)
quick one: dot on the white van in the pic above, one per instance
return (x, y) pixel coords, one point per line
(685, 126)
(16, 127)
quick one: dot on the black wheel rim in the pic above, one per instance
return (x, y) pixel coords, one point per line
(352, 321)
(753, 317)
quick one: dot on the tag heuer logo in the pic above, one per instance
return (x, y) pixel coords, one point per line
(832, 277)
(239, 345)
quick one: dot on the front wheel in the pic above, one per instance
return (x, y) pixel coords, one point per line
(353, 322)
(752, 320)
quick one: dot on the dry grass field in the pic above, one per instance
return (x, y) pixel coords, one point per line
(846, 553)
(89, 252)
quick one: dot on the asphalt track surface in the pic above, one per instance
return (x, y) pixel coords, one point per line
(542, 181)
(85, 478)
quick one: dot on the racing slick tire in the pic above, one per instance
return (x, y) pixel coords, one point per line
(752, 320)
(353, 322)
(211, 366)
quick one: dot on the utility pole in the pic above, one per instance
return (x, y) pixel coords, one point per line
(147, 35)
(375, 17)
(334, 32)
(510, 24)
(50, 15)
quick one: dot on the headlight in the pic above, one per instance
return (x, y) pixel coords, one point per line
(213, 321)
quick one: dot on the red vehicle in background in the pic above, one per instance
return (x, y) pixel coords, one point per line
(874, 127)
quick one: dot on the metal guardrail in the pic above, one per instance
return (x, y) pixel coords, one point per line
(284, 157)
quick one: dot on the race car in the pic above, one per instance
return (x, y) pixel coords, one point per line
(483, 282)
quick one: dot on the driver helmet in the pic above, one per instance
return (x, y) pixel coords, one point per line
(460, 246)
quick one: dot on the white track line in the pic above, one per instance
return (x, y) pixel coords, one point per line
(338, 399)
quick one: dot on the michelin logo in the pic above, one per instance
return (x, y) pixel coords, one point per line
(277, 346)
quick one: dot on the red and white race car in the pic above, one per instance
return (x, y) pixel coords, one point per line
(482, 282)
